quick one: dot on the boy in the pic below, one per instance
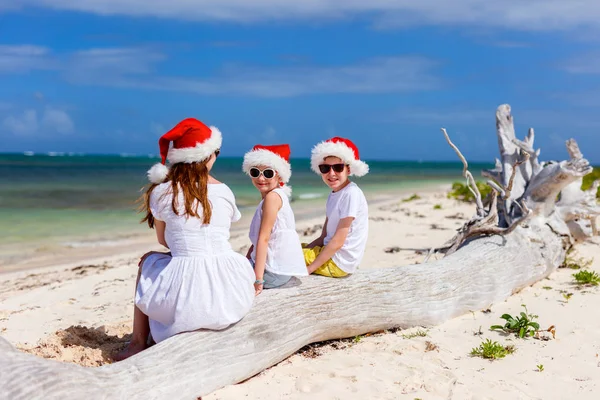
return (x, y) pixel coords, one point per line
(341, 246)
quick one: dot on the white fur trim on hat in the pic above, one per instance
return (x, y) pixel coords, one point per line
(254, 158)
(201, 152)
(341, 151)
(158, 173)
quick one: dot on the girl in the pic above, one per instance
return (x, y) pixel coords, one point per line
(202, 282)
(276, 251)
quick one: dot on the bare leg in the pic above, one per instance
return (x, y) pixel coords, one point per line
(141, 330)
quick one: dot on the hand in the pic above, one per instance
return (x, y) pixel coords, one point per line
(258, 288)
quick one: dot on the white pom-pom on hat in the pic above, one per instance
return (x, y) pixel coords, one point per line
(158, 173)
(287, 190)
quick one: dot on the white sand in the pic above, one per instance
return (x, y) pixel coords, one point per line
(34, 304)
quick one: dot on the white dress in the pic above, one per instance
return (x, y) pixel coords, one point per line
(284, 252)
(204, 284)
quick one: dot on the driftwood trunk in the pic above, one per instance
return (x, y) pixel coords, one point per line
(484, 270)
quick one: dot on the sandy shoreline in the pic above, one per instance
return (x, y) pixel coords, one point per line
(88, 301)
(74, 252)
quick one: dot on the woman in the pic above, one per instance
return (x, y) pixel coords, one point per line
(202, 282)
(276, 252)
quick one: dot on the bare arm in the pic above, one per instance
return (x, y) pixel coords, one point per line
(319, 241)
(336, 243)
(270, 207)
(160, 226)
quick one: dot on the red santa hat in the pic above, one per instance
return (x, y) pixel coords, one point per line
(275, 156)
(341, 148)
(192, 142)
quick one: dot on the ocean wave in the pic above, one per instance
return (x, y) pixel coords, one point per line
(310, 196)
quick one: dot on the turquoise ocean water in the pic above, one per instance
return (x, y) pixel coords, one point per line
(50, 199)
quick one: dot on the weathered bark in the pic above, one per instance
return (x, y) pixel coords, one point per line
(486, 268)
(578, 208)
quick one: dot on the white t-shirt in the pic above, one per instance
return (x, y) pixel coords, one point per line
(348, 202)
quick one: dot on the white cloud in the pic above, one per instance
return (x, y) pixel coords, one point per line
(58, 121)
(377, 75)
(131, 67)
(135, 67)
(24, 124)
(24, 58)
(583, 64)
(29, 123)
(582, 98)
(115, 61)
(538, 15)
(441, 117)
(507, 44)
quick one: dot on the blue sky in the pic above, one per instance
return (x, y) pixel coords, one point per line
(110, 76)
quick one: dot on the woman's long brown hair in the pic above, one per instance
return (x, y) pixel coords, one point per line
(192, 180)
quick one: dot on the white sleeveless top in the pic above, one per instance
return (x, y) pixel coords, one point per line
(284, 252)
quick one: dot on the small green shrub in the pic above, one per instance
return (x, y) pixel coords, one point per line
(460, 191)
(418, 333)
(587, 278)
(589, 179)
(492, 350)
(437, 207)
(540, 367)
(411, 198)
(522, 325)
(576, 263)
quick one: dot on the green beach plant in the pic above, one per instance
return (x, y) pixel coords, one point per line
(540, 367)
(572, 262)
(411, 198)
(590, 278)
(492, 350)
(522, 325)
(589, 179)
(460, 191)
(437, 207)
(418, 333)
(567, 296)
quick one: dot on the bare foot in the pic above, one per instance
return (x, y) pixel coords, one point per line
(132, 349)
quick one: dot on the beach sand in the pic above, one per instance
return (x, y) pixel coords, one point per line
(81, 312)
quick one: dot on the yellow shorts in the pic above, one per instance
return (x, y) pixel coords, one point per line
(327, 269)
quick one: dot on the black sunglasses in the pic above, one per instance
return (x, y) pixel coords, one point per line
(268, 173)
(325, 168)
(217, 152)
